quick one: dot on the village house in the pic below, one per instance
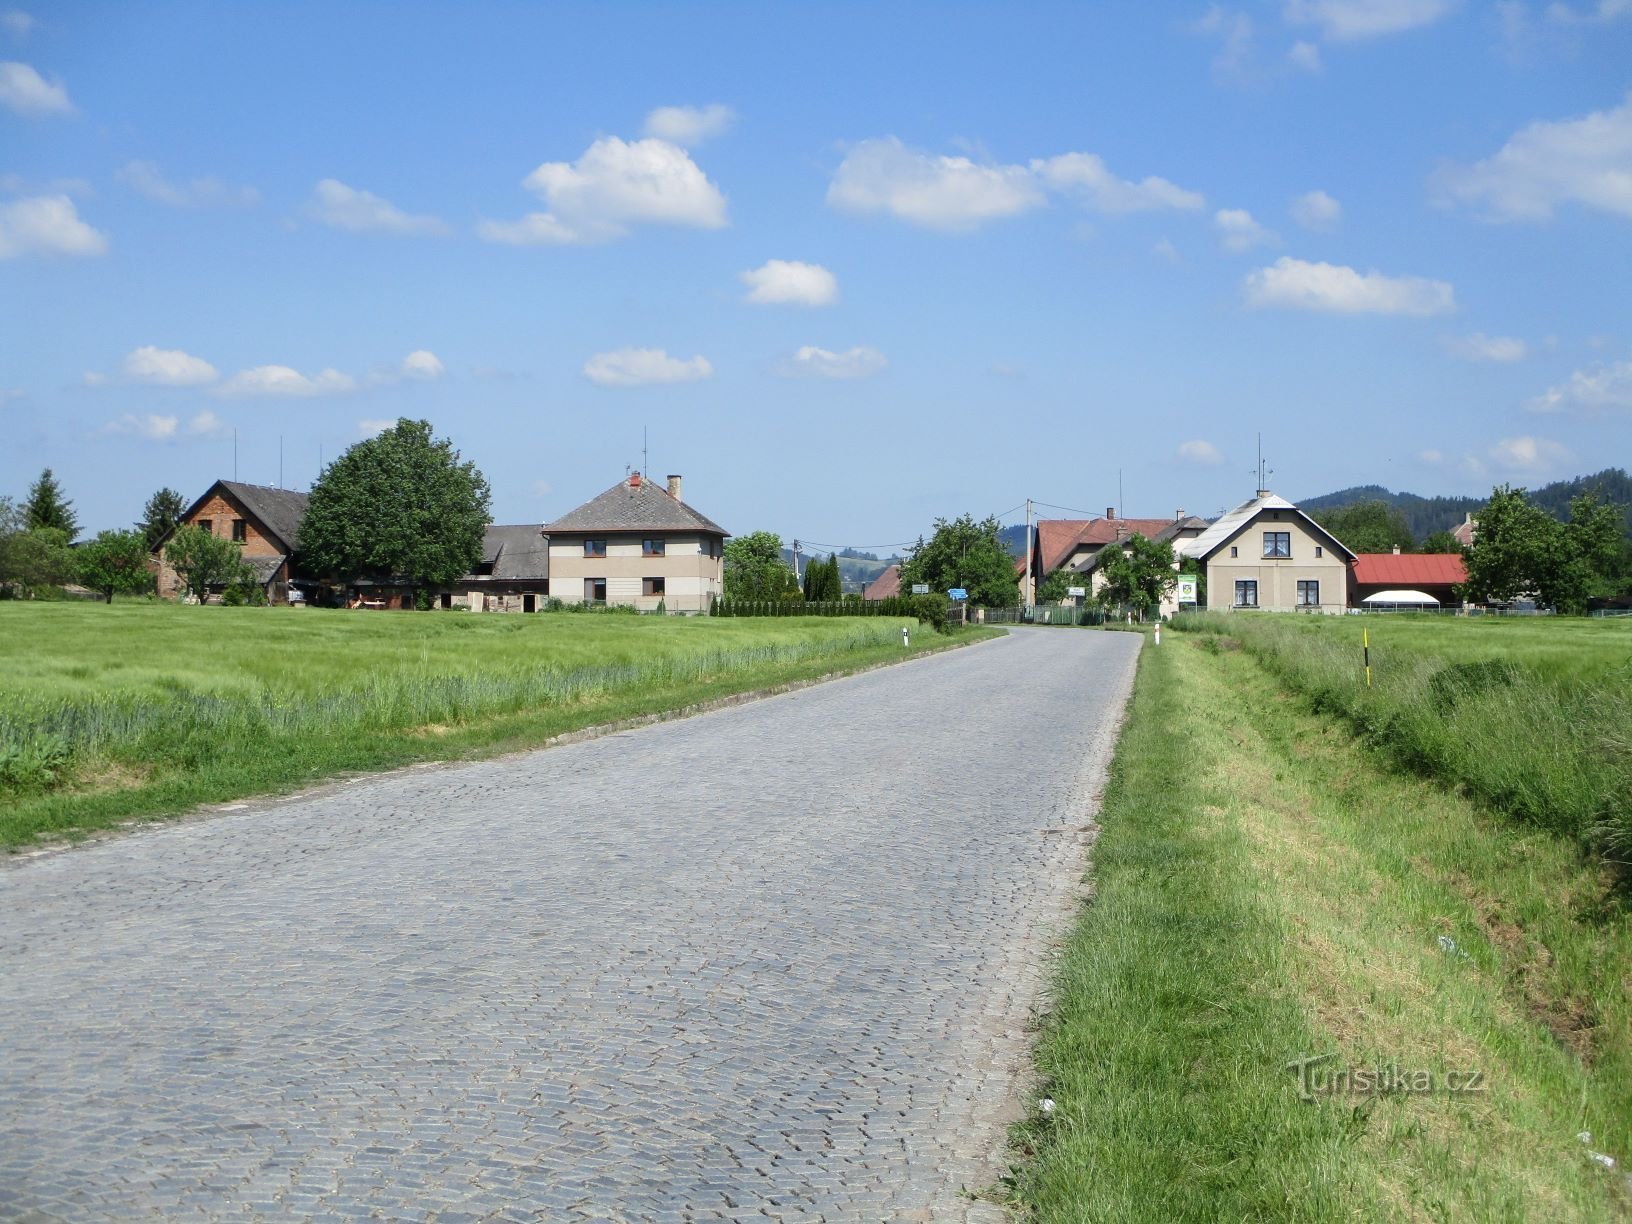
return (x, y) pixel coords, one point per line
(886, 586)
(1074, 543)
(638, 545)
(1175, 531)
(265, 521)
(1268, 555)
(512, 576)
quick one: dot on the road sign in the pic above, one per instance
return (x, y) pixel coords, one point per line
(920, 588)
(1076, 592)
(1186, 592)
(958, 593)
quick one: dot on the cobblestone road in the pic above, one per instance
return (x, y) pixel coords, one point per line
(773, 961)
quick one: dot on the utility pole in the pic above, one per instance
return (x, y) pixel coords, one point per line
(1031, 589)
(280, 461)
(796, 560)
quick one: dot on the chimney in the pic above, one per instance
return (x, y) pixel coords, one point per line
(1178, 515)
(1110, 512)
(1396, 550)
(674, 487)
(634, 480)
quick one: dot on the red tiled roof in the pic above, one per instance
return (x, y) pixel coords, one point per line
(885, 585)
(1057, 539)
(1409, 569)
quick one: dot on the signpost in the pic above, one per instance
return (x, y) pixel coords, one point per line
(1076, 592)
(958, 593)
(920, 588)
(1186, 592)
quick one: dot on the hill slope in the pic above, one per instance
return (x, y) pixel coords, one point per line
(1426, 515)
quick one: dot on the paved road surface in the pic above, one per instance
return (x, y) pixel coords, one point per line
(770, 961)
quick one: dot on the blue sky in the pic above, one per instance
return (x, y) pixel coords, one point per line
(850, 266)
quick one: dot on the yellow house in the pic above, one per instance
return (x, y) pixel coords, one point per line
(1268, 555)
(639, 545)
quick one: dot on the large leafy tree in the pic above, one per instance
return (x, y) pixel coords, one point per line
(38, 558)
(754, 568)
(1439, 542)
(162, 512)
(202, 561)
(400, 507)
(47, 507)
(1138, 574)
(116, 562)
(1371, 526)
(1512, 548)
(968, 554)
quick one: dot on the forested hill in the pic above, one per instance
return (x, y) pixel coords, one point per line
(1426, 515)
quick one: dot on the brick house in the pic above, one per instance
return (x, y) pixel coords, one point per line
(639, 545)
(265, 521)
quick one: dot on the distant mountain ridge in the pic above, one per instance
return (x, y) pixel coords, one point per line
(1426, 515)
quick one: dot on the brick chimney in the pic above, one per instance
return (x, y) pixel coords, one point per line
(1110, 512)
(674, 487)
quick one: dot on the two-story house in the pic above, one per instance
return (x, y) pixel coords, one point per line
(265, 521)
(638, 544)
(1267, 554)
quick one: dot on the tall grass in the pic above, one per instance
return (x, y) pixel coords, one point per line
(1550, 744)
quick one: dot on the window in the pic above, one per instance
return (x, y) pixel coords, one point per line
(205, 526)
(1277, 543)
(652, 586)
(653, 548)
(1308, 593)
(594, 548)
(1246, 592)
(1319, 551)
(1233, 551)
(240, 530)
(595, 590)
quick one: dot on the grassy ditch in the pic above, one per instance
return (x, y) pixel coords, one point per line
(1527, 716)
(108, 714)
(1264, 893)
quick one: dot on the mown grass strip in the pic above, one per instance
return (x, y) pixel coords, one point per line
(1265, 893)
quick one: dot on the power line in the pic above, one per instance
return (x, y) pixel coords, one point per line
(1069, 509)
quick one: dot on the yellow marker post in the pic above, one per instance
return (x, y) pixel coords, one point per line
(1365, 647)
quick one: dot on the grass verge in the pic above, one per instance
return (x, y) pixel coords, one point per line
(1265, 893)
(113, 744)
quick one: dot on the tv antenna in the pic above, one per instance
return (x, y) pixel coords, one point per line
(1262, 473)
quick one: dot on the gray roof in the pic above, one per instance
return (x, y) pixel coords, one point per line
(635, 507)
(279, 510)
(1225, 527)
(265, 567)
(515, 552)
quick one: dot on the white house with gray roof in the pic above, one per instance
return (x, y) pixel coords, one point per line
(1268, 555)
(637, 544)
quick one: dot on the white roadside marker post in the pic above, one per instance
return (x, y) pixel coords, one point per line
(1158, 633)
(905, 642)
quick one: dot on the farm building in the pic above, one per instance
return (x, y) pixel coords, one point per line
(264, 520)
(1434, 575)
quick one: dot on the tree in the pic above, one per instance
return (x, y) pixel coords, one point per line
(202, 561)
(1057, 585)
(1596, 532)
(1138, 574)
(116, 562)
(162, 512)
(964, 553)
(754, 568)
(38, 558)
(1440, 542)
(46, 507)
(1516, 545)
(822, 581)
(1371, 526)
(400, 507)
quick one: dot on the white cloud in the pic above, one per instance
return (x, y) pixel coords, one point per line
(1581, 161)
(1351, 20)
(1238, 232)
(1432, 458)
(93, 378)
(145, 178)
(1166, 250)
(542, 488)
(1602, 13)
(1234, 31)
(614, 185)
(281, 380)
(16, 184)
(1523, 456)
(1315, 210)
(28, 93)
(46, 225)
(635, 367)
(812, 362)
(167, 367)
(689, 126)
(1085, 175)
(206, 424)
(1298, 285)
(347, 208)
(1200, 452)
(779, 281)
(368, 428)
(17, 22)
(1304, 56)
(1603, 389)
(423, 364)
(1477, 346)
(943, 193)
(152, 427)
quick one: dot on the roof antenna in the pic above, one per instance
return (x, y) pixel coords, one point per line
(645, 470)
(235, 455)
(280, 461)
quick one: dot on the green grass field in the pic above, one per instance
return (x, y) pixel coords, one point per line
(109, 713)
(1530, 716)
(1267, 891)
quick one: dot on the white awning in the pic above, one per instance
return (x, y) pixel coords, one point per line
(1401, 597)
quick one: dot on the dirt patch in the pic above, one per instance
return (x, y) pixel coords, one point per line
(93, 776)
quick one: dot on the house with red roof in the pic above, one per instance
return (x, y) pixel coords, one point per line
(885, 586)
(1072, 543)
(1437, 575)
